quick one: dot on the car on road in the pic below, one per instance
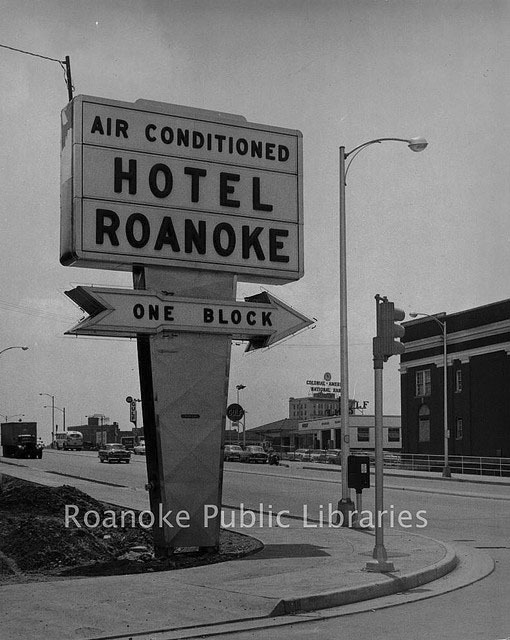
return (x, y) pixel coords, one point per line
(334, 456)
(254, 453)
(114, 453)
(302, 455)
(139, 449)
(232, 452)
(318, 455)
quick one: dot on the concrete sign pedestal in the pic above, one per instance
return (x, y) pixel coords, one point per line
(184, 382)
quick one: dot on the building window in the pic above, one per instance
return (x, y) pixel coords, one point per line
(423, 385)
(458, 428)
(424, 424)
(393, 434)
(458, 381)
(363, 434)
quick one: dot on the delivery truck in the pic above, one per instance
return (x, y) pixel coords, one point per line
(19, 440)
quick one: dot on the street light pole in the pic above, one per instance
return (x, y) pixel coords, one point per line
(63, 411)
(52, 416)
(346, 505)
(447, 473)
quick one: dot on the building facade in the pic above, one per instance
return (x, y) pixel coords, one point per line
(317, 406)
(325, 433)
(478, 382)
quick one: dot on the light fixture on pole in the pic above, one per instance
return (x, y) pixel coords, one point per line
(7, 349)
(63, 411)
(346, 505)
(442, 325)
(52, 416)
(16, 415)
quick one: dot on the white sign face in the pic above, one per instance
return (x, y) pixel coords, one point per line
(155, 184)
(129, 313)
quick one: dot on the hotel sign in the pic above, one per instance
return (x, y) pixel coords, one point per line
(154, 184)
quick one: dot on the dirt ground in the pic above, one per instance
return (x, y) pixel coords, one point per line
(36, 545)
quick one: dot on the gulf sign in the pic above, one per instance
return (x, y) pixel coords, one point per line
(148, 183)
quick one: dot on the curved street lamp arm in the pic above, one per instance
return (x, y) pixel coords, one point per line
(7, 349)
(428, 315)
(357, 149)
(415, 144)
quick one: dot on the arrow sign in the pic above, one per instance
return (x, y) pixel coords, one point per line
(262, 319)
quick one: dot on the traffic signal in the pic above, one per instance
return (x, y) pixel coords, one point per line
(385, 344)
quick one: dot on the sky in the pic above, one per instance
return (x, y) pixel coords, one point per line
(429, 230)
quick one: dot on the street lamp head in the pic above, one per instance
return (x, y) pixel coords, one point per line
(25, 348)
(413, 314)
(417, 144)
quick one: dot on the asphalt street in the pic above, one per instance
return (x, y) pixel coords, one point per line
(470, 514)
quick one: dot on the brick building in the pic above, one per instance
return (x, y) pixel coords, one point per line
(478, 382)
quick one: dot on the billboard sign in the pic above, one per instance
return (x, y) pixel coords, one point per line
(156, 184)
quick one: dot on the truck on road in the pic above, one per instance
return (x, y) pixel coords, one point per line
(19, 440)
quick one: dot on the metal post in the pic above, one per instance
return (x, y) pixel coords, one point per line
(52, 418)
(381, 564)
(446, 469)
(238, 388)
(345, 505)
(69, 81)
(442, 325)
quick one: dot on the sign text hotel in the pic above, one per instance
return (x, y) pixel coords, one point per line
(153, 184)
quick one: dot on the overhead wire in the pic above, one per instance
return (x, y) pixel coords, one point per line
(65, 64)
(30, 311)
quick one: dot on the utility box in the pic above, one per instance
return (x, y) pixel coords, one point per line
(358, 472)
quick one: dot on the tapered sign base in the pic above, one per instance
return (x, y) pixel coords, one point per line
(184, 383)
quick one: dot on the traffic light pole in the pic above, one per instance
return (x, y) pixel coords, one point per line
(385, 345)
(381, 564)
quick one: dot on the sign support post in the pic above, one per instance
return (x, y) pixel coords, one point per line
(184, 378)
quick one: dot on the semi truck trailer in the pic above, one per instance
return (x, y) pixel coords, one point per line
(19, 440)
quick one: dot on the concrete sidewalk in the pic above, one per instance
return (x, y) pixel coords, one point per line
(301, 568)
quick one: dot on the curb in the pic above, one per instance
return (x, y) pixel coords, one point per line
(349, 595)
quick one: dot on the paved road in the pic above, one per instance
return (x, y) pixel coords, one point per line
(471, 514)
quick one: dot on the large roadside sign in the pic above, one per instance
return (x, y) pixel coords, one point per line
(153, 184)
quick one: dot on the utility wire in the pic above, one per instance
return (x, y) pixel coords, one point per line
(29, 53)
(65, 64)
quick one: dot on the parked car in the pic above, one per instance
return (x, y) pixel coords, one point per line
(318, 455)
(254, 453)
(334, 456)
(114, 453)
(232, 452)
(139, 449)
(303, 455)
